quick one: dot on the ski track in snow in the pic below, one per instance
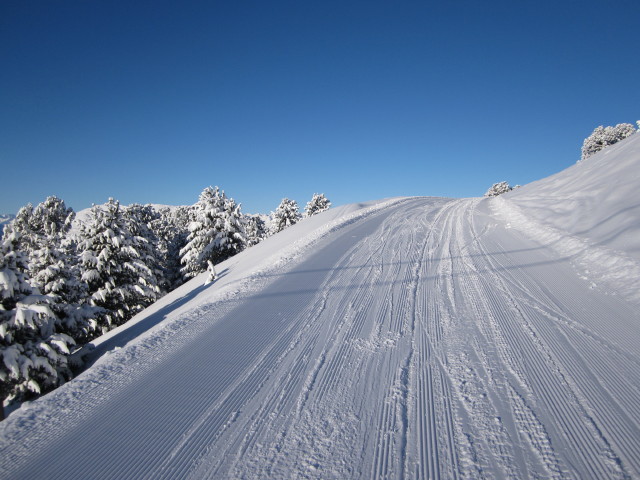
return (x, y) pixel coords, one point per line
(424, 340)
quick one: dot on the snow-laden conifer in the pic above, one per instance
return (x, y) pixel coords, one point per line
(216, 232)
(171, 229)
(49, 251)
(255, 229)
(51, 264)
(119, 281)
(602, 137)
(141, 220)
(286, 214)
(33, 354)
(319, 203)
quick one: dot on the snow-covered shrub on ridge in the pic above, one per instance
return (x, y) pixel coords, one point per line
(602, 137)
(498, 189)
(319, 203)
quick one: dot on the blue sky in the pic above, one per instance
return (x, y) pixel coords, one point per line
(151, 101)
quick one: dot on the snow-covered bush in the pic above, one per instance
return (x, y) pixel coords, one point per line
(319, 203)
(286, 214)
(498, 189)
(602, 137)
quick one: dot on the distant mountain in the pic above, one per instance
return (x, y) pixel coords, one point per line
(4, 219)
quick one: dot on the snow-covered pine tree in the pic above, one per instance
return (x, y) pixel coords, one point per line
(319, 203)
(255, 229)
(51, 264)
(23, 233)
(602, 137)
(53, 268)
(119, 282)
(233, 238)
(215, 233)
(171, 229)
(48, 265)
(33, 354)
(286, 214)
(141, 220)
(498, 189)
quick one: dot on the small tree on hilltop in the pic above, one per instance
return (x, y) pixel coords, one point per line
(498, 189)
(319, 203)
(602, 137)
(286, 214)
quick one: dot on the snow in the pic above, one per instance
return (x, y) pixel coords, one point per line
(589, 213)
(408, 338)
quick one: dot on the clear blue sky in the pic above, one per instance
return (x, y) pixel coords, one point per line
(151, 101)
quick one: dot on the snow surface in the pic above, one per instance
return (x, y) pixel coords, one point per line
(408, 338)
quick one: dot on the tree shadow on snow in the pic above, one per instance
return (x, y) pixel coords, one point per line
(90, 353)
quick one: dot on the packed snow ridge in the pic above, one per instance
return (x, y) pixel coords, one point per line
(408, 338)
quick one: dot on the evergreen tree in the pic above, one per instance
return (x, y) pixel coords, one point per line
(255, 229)
(319, 203)
(215, 233)
(51, 264)
(119, 282)
(140, 221)
(33, 354)
(602, 137)
(171, 229)
(232, 238)
(286, 214)
(498, 189)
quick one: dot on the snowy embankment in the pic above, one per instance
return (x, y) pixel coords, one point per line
(241, 273)
(588, 213)
(413, 338)
(157, 324)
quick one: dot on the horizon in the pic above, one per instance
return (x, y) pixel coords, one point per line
(152, 102)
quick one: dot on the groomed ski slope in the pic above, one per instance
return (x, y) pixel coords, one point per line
(412, 338)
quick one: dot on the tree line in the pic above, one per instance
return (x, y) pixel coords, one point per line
(62, 285)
